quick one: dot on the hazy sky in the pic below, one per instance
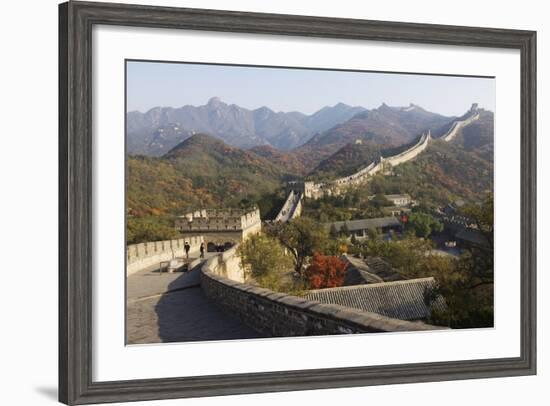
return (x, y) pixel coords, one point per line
(151, 84)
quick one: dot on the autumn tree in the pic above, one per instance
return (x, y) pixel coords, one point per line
(302, 237)
(333, 231)
(344, 230)
(150, 228)
(468, 289)
(483, 217)
(379, 200)
(265, 261)
(468, 294)
(466, 282)
(423, 224)
(325, 271)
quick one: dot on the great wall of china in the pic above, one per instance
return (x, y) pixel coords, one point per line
(146, 254)
(292, 207)
(281, 315)
(299, 190)
(222, 281)
(459, 125)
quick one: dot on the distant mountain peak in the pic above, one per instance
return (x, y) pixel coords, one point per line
(385, 108)
(412, 107)
(159, 130)
(263, 110)
(215, 101)
(341, 105)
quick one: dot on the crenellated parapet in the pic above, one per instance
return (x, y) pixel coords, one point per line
(292, 207)
(143, 255)
(224, 282)
(460, 124)
(315, 190)
(220, 225)
(217, 220)
(411, 152)
(378, 166)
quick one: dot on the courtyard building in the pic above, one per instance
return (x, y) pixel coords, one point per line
(359, 228)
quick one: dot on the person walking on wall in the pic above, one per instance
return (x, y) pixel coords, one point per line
(202, 250)
(186, 247)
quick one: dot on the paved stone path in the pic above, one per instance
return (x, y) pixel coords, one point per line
(173, 308)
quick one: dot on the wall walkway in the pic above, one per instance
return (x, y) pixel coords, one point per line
(147, 254)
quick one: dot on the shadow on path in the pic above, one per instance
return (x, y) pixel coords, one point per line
(181, 313)
(149, 282)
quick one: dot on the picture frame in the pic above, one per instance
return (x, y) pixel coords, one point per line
(76, 20)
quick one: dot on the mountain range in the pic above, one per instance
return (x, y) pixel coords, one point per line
(384, 126)
(204, 170)
(161, 128)
(310, 137)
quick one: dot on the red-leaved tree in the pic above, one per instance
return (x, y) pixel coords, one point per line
(325, 271)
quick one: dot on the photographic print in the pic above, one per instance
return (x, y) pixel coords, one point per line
(276, 202)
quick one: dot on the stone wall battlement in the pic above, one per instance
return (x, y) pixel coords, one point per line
(363, 174)
(457, 126)
(291, 208)
(410, 153)
(315, 190)
(218, 220)
(144, 255)
(282, 315)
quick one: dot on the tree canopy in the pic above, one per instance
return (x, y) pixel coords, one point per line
(423, 224)
(303, 237)
(325, 271)
(265, 261)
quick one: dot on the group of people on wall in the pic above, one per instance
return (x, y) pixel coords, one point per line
(210, 247)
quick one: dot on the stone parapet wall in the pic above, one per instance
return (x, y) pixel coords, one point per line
(457, 126)
(282, 315)
(284, 213)
(316, 190)
(411, 152)
(297, 209)
(334, 187)
(144, 255)
(217, 219)
(292, 207)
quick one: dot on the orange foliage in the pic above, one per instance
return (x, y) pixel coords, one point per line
(325, 271)
(154, 211)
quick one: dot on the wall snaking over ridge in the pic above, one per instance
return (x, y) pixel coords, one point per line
(457, 126)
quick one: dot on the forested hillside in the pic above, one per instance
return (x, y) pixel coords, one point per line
(203, 171)
(443, 173)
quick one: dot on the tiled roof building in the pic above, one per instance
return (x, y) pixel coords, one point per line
(359, 275)
(365, 224)
(359, 272)
(399, 200)
(382, 269)
(399, 299)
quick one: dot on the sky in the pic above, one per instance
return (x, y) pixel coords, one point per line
(152, 84)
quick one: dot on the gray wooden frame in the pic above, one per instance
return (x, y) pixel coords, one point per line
(75, 179)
